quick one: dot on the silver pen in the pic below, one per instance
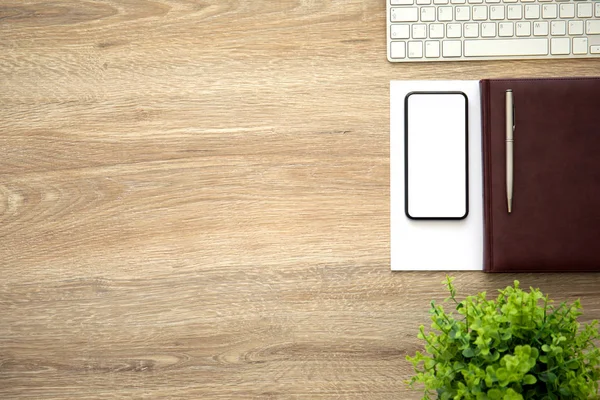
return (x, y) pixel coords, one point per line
(510, 127)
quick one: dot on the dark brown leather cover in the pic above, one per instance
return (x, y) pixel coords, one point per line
(555, 221)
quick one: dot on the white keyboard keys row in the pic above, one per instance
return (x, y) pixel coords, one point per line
(567, 10)
(472, 48)
(488, 29)
(492, 48)
(496, 13)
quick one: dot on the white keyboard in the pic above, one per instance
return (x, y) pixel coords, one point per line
(450, 30)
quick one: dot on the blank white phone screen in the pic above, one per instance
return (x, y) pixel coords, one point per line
(436, 155)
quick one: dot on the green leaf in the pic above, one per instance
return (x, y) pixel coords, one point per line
(548, 377)
(494, 394)
(529, 379)
(468, 352)
(546, 348)
(564, 391)
(572, 364)
(512, 395)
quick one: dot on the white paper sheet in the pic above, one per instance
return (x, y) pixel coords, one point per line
(435, 245)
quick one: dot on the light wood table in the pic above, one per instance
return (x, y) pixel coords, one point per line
(194, 201)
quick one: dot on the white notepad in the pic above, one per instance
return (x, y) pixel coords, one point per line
(430, 245)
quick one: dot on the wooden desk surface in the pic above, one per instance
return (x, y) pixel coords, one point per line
(194, 201)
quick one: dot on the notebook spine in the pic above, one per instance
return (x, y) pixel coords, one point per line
(484, 86)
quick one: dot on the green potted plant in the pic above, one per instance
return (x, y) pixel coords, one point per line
(516, 346)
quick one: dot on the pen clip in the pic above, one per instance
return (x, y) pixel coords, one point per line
(513, 112)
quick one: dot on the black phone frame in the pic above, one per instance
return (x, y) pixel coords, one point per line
(406, 154)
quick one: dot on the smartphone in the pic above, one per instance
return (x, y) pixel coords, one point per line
(436, 149)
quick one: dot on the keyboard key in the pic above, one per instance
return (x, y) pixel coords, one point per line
(532, 11)
(454, 30)
(398, 50)
(488, 29)
(432, 49)
(458, 1)
(492, 1)
(452, 48)
(445, 13)
(515, 12)
(567, 10)
(506, 29)
(592, 27)
(506, 47)
(405, 14)
(598, 9)
(496, 13)
(400, 31)
(510, 1)
(415, 49)
(558, 28)
(595, 49)
(419, 31)
(560, 46)
(471, 30)
(436, 31)
(584, 9)
(529, 1)
(575, 27)
(440, 1)
(475, 1)
(401, 2)
(427, 14)
(479, 13)
(540, 28)
(580, 46)
(549, 11)
(523, 28)
(423, 2)
(463, 13)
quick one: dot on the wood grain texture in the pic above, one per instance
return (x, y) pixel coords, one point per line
(194, 201)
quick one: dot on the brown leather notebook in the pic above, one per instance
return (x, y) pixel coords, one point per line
(555, 221)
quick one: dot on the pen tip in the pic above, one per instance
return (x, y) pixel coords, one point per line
(509, 208)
